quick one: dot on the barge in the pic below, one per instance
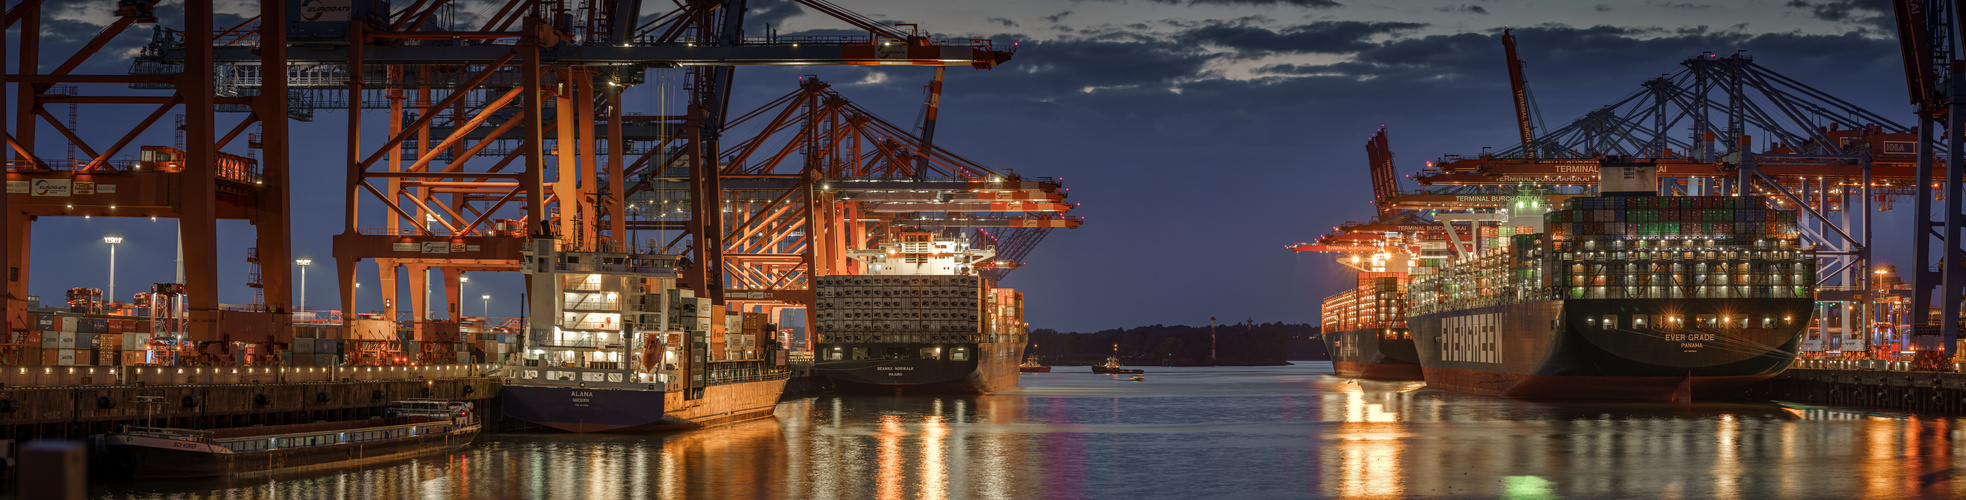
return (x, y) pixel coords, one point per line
(415, 428)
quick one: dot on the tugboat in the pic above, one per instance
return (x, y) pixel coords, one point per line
(1112, 367)
(1031, 366)
(620, 347)
(414, 428)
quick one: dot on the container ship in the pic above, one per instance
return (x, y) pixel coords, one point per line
(616, 346)
(1624, 295)
(1365, 327)
(919, 321)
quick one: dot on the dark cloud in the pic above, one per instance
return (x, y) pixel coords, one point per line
(1867, 14)
(769, 12)
(1682, 5)
(1313, 4)
(1603, 8)
(1057, 17)
(1323, 37)
(1469, 8)
(1005, 22)
(1293, 134)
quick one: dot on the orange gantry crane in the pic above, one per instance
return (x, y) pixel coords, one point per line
(497, 131)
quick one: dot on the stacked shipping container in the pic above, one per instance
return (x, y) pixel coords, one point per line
(909, 308)
(1638, 247)
(1378, 301)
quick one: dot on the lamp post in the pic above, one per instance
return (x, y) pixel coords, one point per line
(303, 281)
(112, 241)
(358, 301)
(487, 298)
(461, 280)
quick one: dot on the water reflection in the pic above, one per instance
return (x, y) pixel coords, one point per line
(1245, 433)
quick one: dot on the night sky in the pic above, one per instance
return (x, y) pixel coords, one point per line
(1201, 135)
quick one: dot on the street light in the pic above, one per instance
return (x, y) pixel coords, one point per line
(487, 298)
(303, 281)
(112, 241)
(461, 280)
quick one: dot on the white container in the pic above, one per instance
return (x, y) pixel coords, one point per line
(65, 357)
(69, 323)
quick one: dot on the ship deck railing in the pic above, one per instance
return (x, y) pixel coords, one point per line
(154, 376)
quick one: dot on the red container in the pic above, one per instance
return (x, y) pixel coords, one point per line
(50, 357)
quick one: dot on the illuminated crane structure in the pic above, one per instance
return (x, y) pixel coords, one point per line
(822, 176)
(1822, 155)
(197, 185)
(1928, 40)
(500, 130)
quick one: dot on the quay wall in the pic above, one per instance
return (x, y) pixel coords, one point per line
(1925, 393)
(76, 402)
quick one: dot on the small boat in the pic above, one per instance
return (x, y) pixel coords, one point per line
(413, 428)
(1031, 366)
(1137, 378)
(1112, 366)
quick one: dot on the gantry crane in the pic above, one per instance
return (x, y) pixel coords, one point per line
(497, 132)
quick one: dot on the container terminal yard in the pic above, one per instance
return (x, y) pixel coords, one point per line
(499, 134)
(1707, 235)
(1732, 151)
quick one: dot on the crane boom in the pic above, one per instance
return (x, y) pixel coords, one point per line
(1520, 90)
(1385, 183)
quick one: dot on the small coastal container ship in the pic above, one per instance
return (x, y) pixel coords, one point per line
(414, 428)
(1365, 327)
(1625, 295)
(615, 346)
(920, 321)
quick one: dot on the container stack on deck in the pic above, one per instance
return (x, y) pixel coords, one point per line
(876, 308)
(1678, 247)
(1378, 301)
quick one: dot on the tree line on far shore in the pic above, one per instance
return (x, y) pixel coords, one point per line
(1245, 344)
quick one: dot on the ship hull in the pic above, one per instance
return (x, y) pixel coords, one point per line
(1366, 353)
(585, 410)
(1559, 349)
(579, 409)
(993, 369)
(147, 462)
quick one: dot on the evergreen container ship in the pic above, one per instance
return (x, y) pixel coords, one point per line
(1625, 295)
(920, 321)
(616, 346)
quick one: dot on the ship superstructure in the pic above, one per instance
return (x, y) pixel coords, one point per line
(920, 320)
(1625, 295)
(615, 345)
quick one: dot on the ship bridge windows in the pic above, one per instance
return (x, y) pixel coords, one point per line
(1610, 322)
(1640, 321)
(836, 354)
(959, 354)
(931, 353)
(1706, 320)
(1767, 321)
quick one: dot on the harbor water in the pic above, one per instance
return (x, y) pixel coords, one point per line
(1257, 432)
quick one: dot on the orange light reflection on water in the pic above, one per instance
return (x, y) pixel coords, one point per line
(889, 474)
